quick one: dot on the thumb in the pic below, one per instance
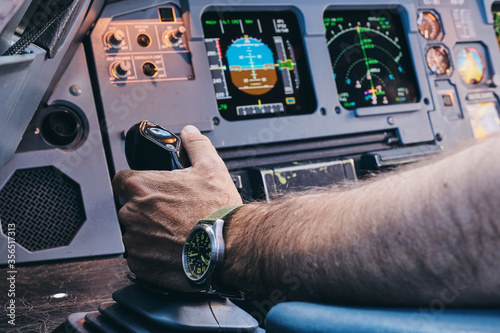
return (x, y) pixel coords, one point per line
(198, 147)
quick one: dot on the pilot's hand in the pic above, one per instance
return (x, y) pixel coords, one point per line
(163, 206)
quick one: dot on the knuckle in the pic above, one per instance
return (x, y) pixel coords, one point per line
(154, 201)
(124, 215)
(133, 185)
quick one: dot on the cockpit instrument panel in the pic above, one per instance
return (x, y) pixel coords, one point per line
(371, 61)
(258, 64)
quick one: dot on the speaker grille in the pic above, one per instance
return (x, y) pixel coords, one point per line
(45, 205)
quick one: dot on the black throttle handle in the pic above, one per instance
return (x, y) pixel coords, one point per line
(148, 146)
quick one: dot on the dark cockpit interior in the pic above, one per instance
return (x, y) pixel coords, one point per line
(293, 94)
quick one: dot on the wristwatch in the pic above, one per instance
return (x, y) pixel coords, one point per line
(203, 253)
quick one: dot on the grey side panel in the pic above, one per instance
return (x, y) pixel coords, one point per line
(24, 79)
(86, 165)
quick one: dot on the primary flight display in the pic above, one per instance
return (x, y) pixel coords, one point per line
(371, 61)
(258, 64)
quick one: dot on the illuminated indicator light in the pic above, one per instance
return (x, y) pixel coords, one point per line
(290, 100)
(223, 107)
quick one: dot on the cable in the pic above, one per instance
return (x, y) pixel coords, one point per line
(32, 34)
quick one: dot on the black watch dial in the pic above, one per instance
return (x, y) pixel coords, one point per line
(197, 253)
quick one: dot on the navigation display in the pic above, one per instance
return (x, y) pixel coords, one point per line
(370, 57)
(258, 64)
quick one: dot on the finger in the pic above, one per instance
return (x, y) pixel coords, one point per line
(198, 147)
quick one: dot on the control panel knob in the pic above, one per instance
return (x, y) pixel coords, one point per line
(150, 69)
(174, 37)
(121, 69)
(115, 39)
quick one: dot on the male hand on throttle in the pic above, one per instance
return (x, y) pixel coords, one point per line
(163, 206)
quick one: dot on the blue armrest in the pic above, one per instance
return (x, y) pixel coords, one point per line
(309, 317)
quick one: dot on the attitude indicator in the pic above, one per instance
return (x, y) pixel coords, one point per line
(258, 64)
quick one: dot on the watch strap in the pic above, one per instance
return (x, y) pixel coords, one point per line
(221, 214)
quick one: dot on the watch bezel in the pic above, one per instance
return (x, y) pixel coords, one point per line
(214, 233)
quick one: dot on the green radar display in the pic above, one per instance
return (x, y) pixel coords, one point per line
(370, 58)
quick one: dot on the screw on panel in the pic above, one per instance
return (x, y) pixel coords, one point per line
(390, 120)
(338, 110)
(322, 111)
(216, 121)
(75, 90)
(439, 137)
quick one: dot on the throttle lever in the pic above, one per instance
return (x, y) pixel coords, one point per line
(148, 146)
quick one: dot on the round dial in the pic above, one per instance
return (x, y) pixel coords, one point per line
(470, 65)
(438, 60)
(197, 253)
(428, 25)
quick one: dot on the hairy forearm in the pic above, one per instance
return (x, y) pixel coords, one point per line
(406, 238)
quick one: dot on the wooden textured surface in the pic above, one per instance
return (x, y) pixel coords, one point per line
(87, 283)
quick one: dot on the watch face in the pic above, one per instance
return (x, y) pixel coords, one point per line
(197, 253)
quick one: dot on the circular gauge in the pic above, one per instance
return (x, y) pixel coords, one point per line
(470, 65)
(428, 25)
(438, 60)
